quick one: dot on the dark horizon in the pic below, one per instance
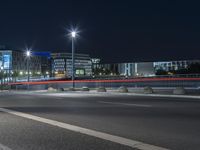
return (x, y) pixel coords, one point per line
(113, 31)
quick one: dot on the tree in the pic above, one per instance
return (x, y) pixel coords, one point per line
(180, 71)
(15, 75)
(161, 72)
(194, 68)
(1, 75)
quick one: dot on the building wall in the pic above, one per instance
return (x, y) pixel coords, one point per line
(173, 65)
(20, 61)
(15, 60)
(145, 69)
(62, 64)
(45, 62)
(127, 69)
(148, 68)
(95, 62)
(132, 69)
(6, 60)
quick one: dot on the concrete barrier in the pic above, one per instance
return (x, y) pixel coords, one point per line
(71, 89)
(51, 89)
(148, 90)
(101, 89)
(85, 88)
(179, 91)
(122, 89)
(61, 89)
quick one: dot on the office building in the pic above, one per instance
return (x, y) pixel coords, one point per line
(145, 69)
(15, 61)
(136, 69)
(62, 64)
(45, 63)
(128, 69)
(173, 65)
(95, 62)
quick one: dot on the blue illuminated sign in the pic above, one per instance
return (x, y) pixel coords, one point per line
(6, 61)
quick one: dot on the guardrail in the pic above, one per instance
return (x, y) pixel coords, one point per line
(108, 80)
(155, 76)
(112, 83)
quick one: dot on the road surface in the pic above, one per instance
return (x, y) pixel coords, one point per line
(171, 123)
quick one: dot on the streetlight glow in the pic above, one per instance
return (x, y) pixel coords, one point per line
(73, 33)
(28, 53)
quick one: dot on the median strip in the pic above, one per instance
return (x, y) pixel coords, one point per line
(101, 135)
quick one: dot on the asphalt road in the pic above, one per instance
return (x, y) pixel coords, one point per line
(172, 123)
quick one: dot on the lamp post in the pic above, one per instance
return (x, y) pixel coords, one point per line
(73, 35)
(28, 54)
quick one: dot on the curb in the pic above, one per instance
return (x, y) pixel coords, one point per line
(110, 93)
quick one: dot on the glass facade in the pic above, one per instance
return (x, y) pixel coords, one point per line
(173, 65)
(62, 64)
(13, 63)
(6, 60)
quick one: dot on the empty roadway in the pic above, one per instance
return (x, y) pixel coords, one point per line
(172, 123)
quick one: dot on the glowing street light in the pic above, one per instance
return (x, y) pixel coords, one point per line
(73, 35)
(28, 54)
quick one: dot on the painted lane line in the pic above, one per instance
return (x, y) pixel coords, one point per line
(3, 147)
(126, 104)
(101, 135)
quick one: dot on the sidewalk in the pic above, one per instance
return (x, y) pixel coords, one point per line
(95, 93)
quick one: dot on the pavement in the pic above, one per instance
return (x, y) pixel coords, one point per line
(77, 120)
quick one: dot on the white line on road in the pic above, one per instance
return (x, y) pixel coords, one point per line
(126, 104)
(101, 135)
(2, 147)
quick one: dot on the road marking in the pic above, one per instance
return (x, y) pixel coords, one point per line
(101, 135)
(2, 147)
(126, 104)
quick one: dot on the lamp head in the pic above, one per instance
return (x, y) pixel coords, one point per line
(73, 34)
(28, 53)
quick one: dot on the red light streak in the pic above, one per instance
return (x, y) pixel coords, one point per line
(109, 81)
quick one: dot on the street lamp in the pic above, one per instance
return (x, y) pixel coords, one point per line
(73, 35)
(28, 54)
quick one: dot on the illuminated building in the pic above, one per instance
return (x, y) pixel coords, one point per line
(62, 64)
(173, 65)
(15, 61)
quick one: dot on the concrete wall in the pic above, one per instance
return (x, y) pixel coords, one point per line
(183, 83)
(145, 68)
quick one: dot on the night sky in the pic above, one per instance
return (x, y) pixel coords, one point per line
(113, 30)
